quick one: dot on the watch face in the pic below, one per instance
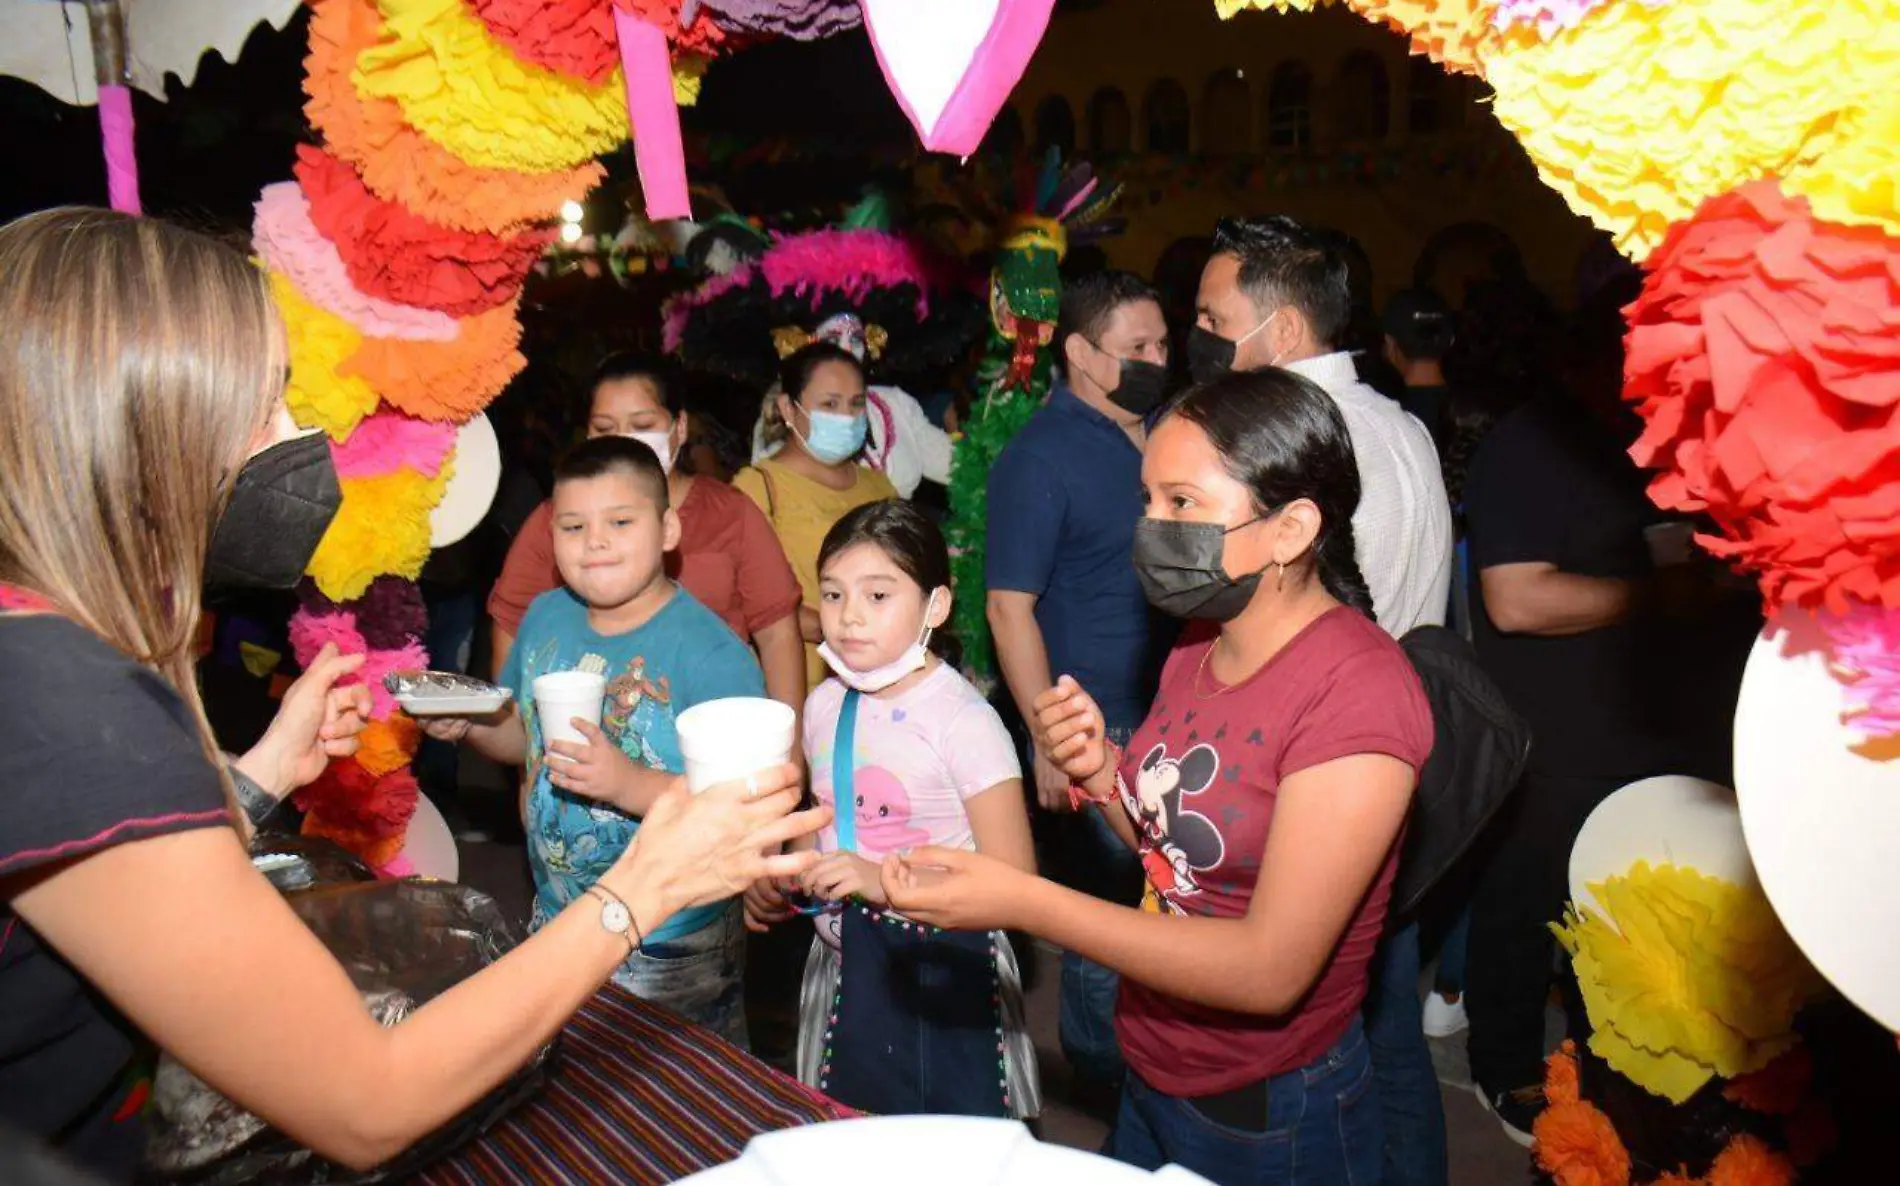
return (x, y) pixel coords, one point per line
(614, 917)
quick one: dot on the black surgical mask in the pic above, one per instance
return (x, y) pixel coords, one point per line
(1209, 356)
(1142, 387)
(1179, 565)
(282, 504)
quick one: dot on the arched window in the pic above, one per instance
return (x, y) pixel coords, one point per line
(1226, 114)
(1111, 123)
(1055, 126)
(1005, 137)
(1290, 107)
(1362, 99)
(1428, 96)
(1166, 113)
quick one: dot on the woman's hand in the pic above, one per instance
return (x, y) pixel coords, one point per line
(841, 875)
(316, 722)
(597, 770)
(957, 890)
(1070, 731)
(693, 850)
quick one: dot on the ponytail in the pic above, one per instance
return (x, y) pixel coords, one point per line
(1337, 566)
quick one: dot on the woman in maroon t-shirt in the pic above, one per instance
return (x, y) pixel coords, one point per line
(1265, 793)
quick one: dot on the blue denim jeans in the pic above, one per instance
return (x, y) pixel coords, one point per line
(1450, 977)
(1409, 1101)
(1086, 1024)
(1322, 1127)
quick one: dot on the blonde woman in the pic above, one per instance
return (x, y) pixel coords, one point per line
(140, 366)
(815, 414)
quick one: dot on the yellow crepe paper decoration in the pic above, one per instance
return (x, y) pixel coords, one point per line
(381, 528)
(1700, 982)
(1855, 184)
(318, 394)
(464, 90)
(689, 71)
(1226, 9)
(1640, 113)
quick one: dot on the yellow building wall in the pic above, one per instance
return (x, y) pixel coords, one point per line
(1131, 45)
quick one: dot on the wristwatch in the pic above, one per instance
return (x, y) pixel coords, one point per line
(615, 918)
(257, 803)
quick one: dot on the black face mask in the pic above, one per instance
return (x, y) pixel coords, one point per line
(1209, 356)
(1179, 565)
(1142, 387)
(283, 503)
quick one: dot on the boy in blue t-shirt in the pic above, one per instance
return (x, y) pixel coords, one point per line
(661, 652)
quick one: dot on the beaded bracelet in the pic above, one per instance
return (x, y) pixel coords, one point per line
(1079, 796)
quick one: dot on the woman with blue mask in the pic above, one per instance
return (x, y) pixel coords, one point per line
(816, 416)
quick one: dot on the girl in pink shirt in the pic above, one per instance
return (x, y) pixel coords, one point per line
(916, 1020)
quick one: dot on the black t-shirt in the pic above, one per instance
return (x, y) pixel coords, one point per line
(1550, 485)
(94, 751)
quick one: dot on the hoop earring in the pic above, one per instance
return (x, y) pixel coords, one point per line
(1279, 577)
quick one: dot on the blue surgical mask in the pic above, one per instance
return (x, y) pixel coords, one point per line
(835, 437)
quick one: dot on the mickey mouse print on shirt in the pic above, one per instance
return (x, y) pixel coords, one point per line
(1177, 842)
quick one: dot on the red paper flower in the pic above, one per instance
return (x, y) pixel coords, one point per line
(348, 798)
(575, 37)
(702, 36)
(402, 257)
(1764, 355)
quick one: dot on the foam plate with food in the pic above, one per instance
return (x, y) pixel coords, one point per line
(444, 694)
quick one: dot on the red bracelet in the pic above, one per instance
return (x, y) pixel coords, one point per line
(1078, 796)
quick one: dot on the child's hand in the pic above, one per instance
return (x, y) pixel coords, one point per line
(449, 729)
(765, 904)
(842, 875)
(597, 770)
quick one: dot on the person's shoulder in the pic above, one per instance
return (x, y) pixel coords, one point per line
(85, 715)
(698, 626)
(541, 518)
(874, 486)
(720, 498)
(553, 610)
(57, 661)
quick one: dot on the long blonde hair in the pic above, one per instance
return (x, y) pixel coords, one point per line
(138, 364)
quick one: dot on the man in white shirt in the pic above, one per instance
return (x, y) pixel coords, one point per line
(1274, 294)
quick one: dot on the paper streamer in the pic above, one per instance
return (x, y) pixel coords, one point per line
(655, 117)
(122, 164)
(952, 63)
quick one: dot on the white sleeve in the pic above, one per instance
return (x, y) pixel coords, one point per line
(928, 446)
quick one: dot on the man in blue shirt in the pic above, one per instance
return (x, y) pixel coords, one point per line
(1063, 598)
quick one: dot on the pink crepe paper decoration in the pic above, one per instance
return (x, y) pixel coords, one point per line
(389, 441)
(853, 262)
(309, 631)
(380, 663)
(654, 116)
(1866, 653)
(291, 245)
(115, 133)
(911, 39)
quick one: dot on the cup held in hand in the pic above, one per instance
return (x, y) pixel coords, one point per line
(560, 696)
(728, 739)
